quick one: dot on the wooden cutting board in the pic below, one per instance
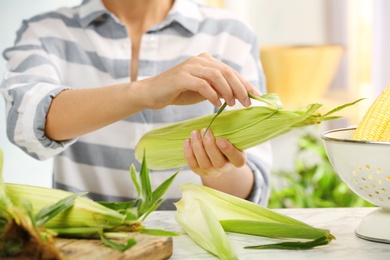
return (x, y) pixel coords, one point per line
(147, 247)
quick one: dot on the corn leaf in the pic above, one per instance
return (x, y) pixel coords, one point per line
(342, 107)
(118, 246)
(271, 99)
(158, 232)
(146, 187)
(154, 200)
(217, 114)
(237, 215)
(51, 211)
(126, 208)
(274, 230)
(297, 245)
(163, 187)
(228, 207)
(133, 175)
(150, 208)
(78, 232)
(203, 227)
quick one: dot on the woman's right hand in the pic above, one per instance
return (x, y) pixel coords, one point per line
(79, 111)
(196, 79)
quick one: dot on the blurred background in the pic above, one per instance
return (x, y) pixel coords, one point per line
(326, 51)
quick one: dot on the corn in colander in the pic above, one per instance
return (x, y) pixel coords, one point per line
(365, 168)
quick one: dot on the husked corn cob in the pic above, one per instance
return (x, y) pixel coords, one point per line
(386, 133)
(375, 125)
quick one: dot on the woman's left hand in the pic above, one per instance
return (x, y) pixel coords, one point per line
(207, 156)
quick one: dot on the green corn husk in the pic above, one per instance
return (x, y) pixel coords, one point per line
(31, 217)
(19, 234)
(200, 206)
(203, 226)
(85, 213)
(244, 128)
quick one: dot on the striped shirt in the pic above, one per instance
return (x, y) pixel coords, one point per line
(86, 47)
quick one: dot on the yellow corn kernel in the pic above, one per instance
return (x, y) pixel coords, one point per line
(386, 134)
(373, 126)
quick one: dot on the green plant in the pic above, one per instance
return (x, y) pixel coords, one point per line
(313, 183)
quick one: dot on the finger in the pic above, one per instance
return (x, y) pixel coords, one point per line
(238, 85)
(248, 86)
(200, 154)
(235, 156)
(202, 86)
(217, 158)
(190, 158)
(231, 82)
(217, 81)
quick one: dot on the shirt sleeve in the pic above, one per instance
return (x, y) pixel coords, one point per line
(259, 160)
(31, 81)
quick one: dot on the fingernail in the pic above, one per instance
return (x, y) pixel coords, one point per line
(221, 143)
(187, 143)
(206, 134)
(195, 135)
(202, 132)
(247, 102)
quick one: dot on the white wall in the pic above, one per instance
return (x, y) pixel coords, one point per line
(18, 167)
(291, 22)
(381, 49)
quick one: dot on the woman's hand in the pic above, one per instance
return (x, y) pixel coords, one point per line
(194, 80)
(207, 156)
(79, 111)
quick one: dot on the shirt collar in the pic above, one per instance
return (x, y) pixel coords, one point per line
(184, 12)
(92, 11)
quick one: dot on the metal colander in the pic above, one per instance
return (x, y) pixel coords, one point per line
(365, 168)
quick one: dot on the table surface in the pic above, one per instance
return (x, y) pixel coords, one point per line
(342, 223)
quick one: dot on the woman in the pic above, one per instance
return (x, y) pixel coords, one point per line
(85, 83)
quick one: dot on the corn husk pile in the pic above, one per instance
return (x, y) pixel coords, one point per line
(207, 215)
(32, 217)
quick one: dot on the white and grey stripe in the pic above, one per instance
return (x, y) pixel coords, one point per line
(85, 47)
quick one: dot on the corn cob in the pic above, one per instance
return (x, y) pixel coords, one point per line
(375, 125)
(30, 216)
(19, 236)
(84, 213)
(244, 128)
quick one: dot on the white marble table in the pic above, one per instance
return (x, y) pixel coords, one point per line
(340, 221)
